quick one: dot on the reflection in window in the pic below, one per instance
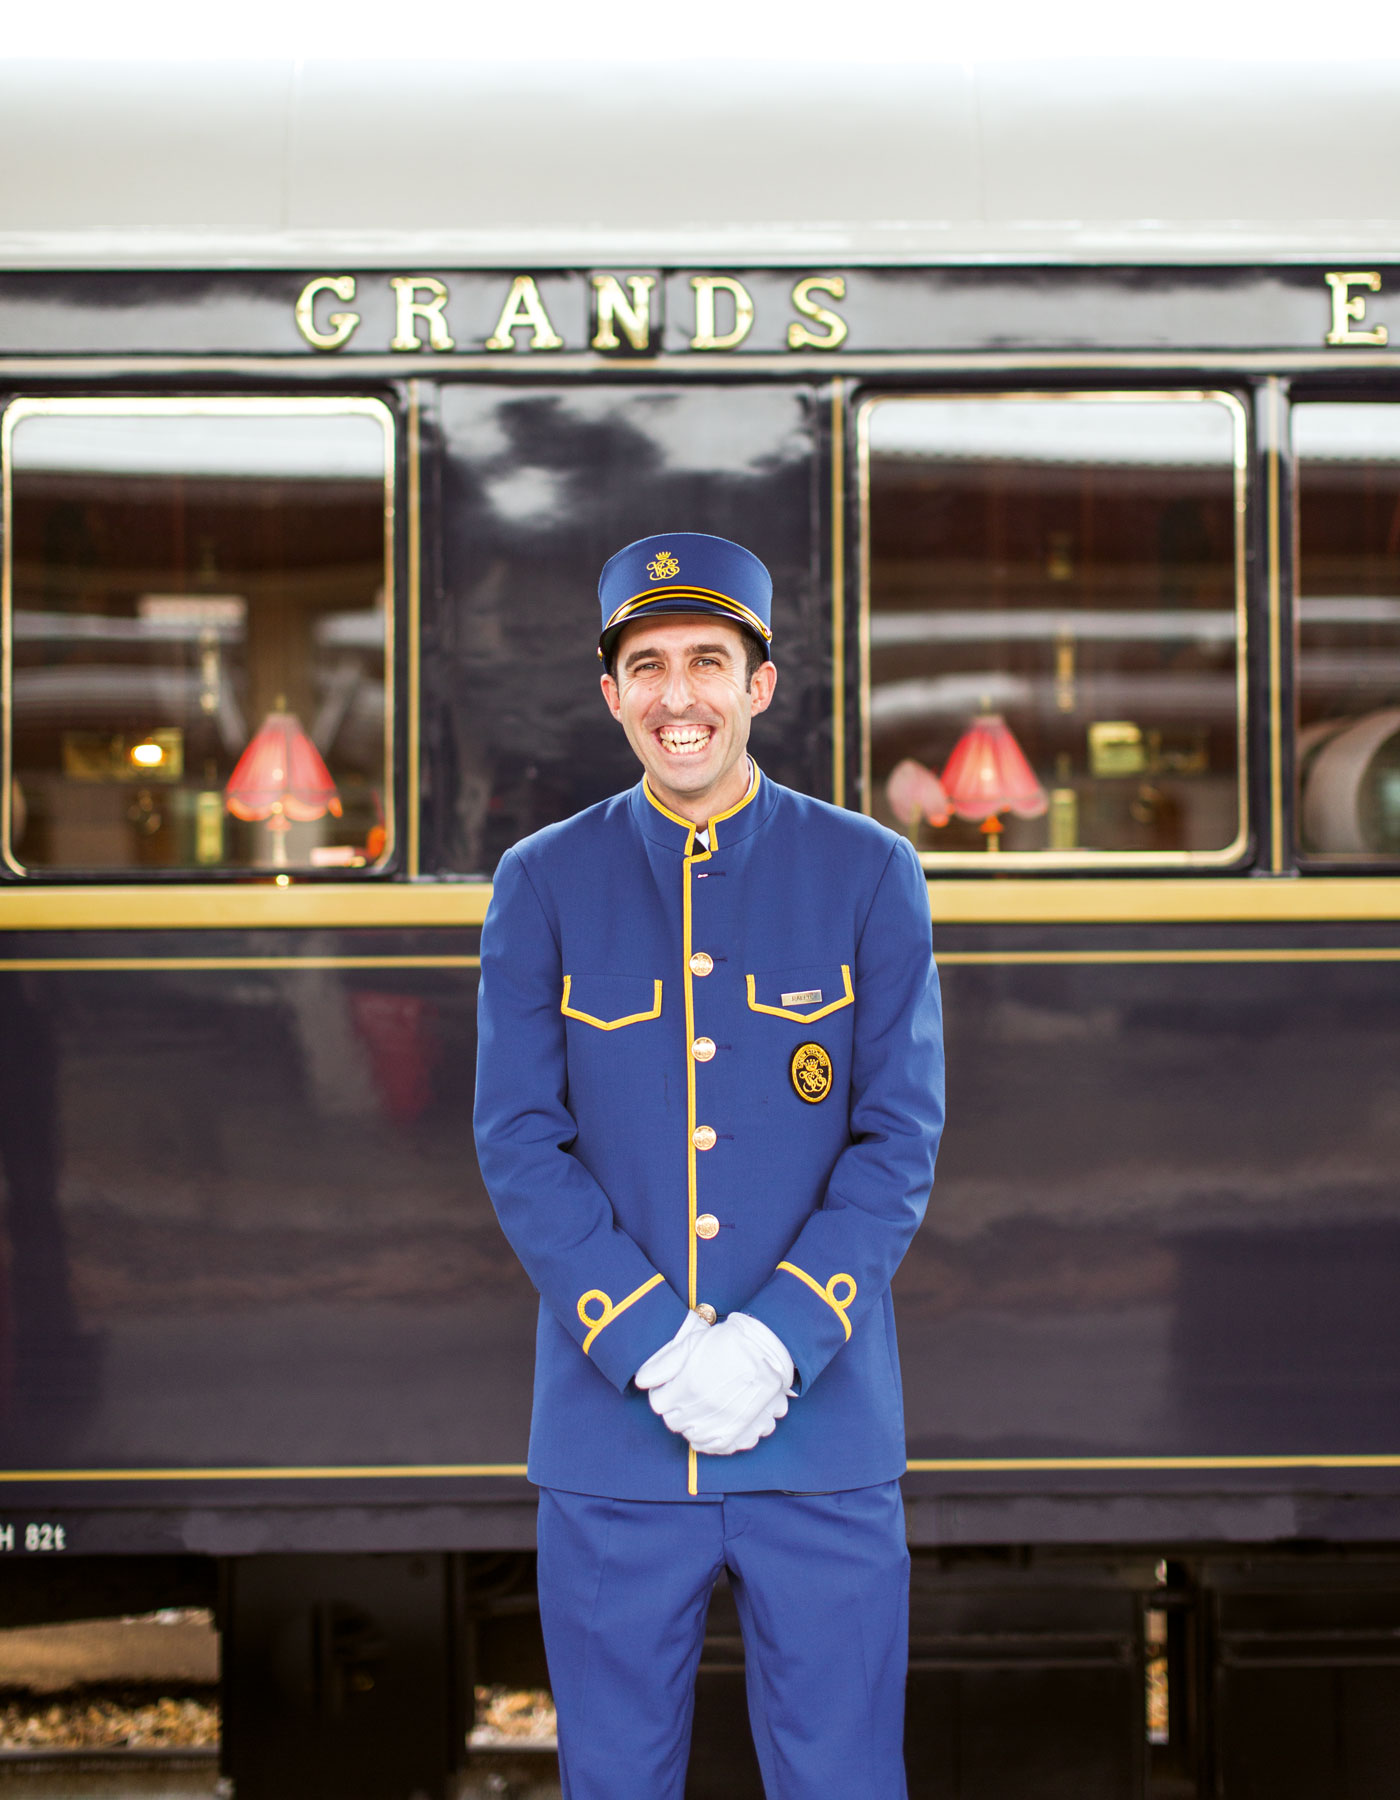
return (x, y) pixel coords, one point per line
(1055, 625)
(1348, 681)
(200, 620)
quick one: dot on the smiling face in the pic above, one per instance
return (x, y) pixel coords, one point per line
(683, 696)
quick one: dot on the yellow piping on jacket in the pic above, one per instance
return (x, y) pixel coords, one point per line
(691, 1173)
(609, 1312)
(828, 1293)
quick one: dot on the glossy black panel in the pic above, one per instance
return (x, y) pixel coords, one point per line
(1167, 1216)
(539, 488)
(148, 313)
(244, 1224)
(979, 306)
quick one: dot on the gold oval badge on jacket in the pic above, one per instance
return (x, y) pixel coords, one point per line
(811, 1073)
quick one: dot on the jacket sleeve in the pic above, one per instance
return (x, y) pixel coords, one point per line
(842, 1261)
(593, 1277)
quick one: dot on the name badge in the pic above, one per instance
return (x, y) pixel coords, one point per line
(808, 997)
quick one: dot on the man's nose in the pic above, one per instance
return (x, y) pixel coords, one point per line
(678, 692)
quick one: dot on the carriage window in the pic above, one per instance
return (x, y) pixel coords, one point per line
(1055, 627)
(199, 619)
(1348, 675)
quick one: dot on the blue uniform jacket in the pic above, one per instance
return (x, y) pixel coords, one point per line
(710, 1078)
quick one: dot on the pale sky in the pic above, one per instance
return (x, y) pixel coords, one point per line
(771, 31)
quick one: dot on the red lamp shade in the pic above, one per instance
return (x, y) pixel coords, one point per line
(281, 776)
(916, 793)
(988, 774)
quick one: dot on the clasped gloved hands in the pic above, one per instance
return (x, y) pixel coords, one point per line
(721, 1387)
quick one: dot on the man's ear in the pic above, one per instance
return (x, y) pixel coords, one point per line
(761, 687)
(611, 695)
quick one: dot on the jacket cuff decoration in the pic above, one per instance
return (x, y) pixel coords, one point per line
(810, 1316)
(838, 1293)
(619, 1335)
(604, 1311)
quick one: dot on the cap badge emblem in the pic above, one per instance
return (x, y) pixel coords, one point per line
(663, 566)
(811, 1073)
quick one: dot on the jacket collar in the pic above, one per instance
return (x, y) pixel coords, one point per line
(663, 826)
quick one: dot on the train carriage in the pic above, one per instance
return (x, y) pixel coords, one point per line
(1065, 413)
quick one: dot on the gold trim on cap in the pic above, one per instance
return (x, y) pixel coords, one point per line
(640, 602)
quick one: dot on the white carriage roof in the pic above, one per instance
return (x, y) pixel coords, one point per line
(422, 165)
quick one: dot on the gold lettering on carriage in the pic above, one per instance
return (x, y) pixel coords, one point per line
(342, 324)
(708, 288)
(622, 311)
(612, 308)
(1348, 309)
(409, 309)
(524, 307)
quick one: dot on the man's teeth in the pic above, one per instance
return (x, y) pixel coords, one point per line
(684, 740)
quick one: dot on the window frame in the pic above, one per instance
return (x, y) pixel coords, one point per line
(1049, 863)
(19, 407)
(1331, 864)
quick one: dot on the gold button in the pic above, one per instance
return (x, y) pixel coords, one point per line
(703, 1049)
(707, 1313)
(703, 1137)
(701, 964)
(707, 1226)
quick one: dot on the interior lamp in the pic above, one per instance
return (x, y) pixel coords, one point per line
(915, 794)
(988, 774)
(281, 777)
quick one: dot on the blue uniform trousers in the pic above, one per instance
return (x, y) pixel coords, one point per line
(822, 1587)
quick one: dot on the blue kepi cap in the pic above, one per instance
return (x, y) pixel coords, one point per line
(684, 572)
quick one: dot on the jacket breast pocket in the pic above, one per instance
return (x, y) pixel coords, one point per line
(609, 1002)
(805, 994)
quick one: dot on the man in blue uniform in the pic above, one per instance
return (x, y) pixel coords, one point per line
(709, 1096)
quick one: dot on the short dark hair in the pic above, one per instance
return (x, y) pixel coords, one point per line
(755, 654)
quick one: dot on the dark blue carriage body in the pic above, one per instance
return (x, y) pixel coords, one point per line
(256, 1298)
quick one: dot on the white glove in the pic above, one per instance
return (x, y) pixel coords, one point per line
(725, 1388)
(670, 1359)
